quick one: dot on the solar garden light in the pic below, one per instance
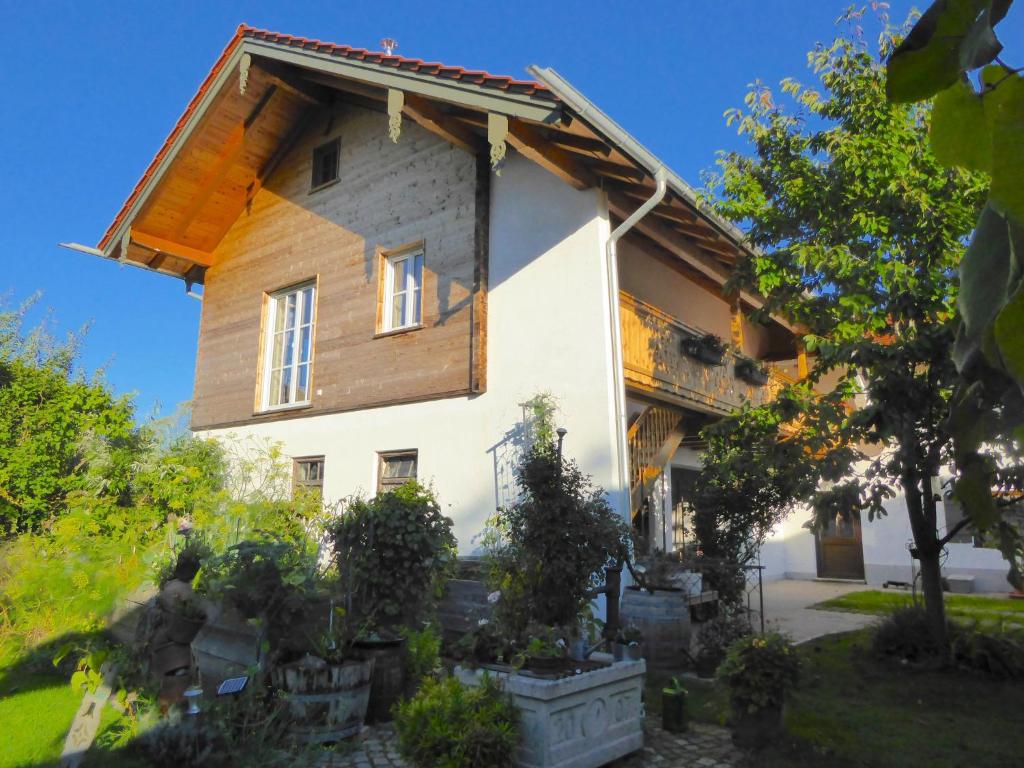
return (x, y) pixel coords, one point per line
(192, 695)
(561, 432)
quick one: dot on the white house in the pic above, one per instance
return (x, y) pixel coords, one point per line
(395, 255)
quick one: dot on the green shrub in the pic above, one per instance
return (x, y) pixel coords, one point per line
(547, 551)
(906, 634)
(716, 636)
(995, 653)
(450, 725)
(422, 653)
(759, 669)
(393, 552)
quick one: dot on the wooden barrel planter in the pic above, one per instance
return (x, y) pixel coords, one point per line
(664, 619)
(388, 682)
(327, 702)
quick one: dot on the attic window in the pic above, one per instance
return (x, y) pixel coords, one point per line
(325, 164)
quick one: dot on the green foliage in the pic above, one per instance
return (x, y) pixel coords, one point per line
(982, 130)
(907, 634)
(393, 553)
(450, 725)
(549, 549)
(759, 671)
(998, 654)
(862, 229)
(422, 653)
(716, 636)
(46, 409)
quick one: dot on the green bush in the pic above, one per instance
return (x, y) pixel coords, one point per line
(547, 551)
(906, 634)
(450, 725)
(758, 670)
(999, 654)
(393, 552)
(422, 653)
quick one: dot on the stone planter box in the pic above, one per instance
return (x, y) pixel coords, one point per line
(583, 721)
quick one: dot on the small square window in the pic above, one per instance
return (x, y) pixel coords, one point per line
(403, 290)
(325, 163)
(308, 474)
(396, 469)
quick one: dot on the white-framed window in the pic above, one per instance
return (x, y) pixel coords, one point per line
(403, 289)
(288, 356)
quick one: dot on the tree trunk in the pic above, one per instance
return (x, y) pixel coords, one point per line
(921, 508)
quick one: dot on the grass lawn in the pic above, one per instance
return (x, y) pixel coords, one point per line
(985, 610)
(36, 710)
(34, 719)
(852, 709)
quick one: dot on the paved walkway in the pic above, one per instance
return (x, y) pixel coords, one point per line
(702, 746)
(787, 609)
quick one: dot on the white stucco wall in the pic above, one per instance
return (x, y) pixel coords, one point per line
(547, 330)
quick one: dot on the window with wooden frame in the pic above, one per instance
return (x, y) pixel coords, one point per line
(308, 475)
(402, 305)
(396, 469)
(326, 159)
(288, 347)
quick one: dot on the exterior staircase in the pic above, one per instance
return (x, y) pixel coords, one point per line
(653, 439)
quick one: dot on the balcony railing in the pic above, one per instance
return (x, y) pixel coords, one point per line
(655, 362)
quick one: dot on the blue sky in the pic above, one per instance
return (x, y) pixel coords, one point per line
(92, 89)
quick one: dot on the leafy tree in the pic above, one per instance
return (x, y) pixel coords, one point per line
(980, 129)
(861, 229)
(46, 410)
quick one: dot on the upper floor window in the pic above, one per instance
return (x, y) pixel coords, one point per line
(325, 164)
(287, 362)
(403, 287)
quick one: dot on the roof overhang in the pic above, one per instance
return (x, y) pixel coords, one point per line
(261, 91)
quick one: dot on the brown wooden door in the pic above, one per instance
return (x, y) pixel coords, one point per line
(840, 549)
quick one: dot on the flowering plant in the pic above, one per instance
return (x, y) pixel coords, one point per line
(758, 670)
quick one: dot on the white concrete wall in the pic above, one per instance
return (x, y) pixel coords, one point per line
(547, 331)
(790, 551)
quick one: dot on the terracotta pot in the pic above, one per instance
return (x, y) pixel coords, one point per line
(755, 730)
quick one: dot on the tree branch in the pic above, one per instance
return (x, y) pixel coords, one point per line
(960, 525)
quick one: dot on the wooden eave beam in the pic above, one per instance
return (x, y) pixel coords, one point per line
(615, 171)
(531, 144)
(162, 245)
(290, 83)
(228, 157)
(689, 252)
(427, 115)
(283, 148)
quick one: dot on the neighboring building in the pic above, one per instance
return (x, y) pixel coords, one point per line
(396, 255)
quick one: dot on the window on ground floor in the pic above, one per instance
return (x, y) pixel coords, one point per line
(308, 474)
(396, 469)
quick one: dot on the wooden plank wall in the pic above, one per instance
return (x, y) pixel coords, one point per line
(421, 188)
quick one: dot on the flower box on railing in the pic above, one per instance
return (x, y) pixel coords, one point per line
(708, 348)
(752, 371)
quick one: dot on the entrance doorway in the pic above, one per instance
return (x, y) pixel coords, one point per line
(840, 549)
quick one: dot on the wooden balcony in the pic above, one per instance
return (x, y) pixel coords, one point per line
(655, 364)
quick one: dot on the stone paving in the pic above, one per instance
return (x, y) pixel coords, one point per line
(702, 746)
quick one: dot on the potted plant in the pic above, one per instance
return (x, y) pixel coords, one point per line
(708, 348)
(752, 371)
(546, 650)
(185, 619)
(393, 554)
(325, 685)
(759, 671)
(674, 716)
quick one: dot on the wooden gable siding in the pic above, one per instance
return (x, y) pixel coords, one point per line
(388, 195)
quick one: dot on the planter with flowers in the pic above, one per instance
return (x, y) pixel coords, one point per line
(546, 556)
(759, 670)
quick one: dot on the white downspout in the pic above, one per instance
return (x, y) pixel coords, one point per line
(618, 368)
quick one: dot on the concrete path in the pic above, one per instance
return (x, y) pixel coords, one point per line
(787, 609)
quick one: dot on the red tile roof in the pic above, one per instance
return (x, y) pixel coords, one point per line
(473, 77)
